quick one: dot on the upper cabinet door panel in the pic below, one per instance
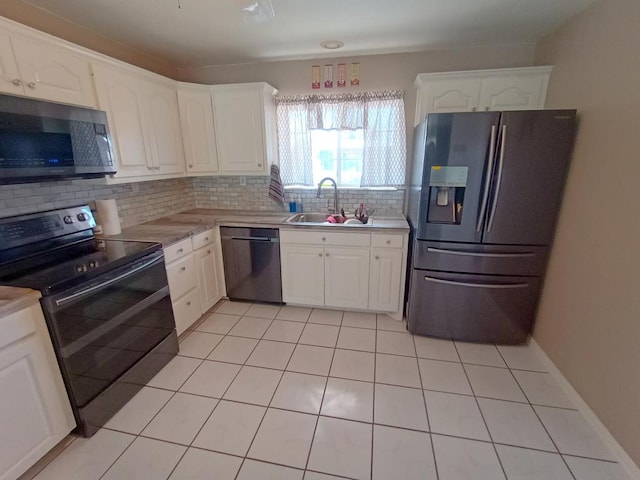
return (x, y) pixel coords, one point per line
(196, 118)
(238, 117)
(163, 126)
(52, 73)
(118, 96)
(446, 96)
(10, 81)
(513, 93)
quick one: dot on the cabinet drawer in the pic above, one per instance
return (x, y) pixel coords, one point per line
(325, 238)
(182, 277)
(177, 250)
(389, 241)
(202, 239)
(187, 310)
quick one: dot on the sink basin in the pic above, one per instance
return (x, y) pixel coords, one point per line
(314, 218)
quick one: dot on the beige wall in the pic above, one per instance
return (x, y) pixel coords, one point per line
(589, 317)
(37, 18)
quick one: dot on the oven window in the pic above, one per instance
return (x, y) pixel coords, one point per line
(102, 334)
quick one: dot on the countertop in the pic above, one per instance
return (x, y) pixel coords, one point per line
(13, 299)
(173, 228)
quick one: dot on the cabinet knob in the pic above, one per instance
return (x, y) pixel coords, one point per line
(183, 269)
(157, 168)
(473, 109)
(180, 250)
(208, 252)
(326, 254)
(388, 242)
(188, 304)
(486, 109)
(320, 254)
(17, 82)
(324, 239)
(190, 166)
(31, 85)
(260, 165)
(206, 239)
(149, 168)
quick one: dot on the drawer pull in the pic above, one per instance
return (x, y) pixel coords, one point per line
(208, 252)
(189, 303)
(388, 242)
(326, 254)
(182, 269)
(206, 239)
(476, 285)
(324, 239)
(377, 257)
(180, 250)
(320, 254)
(480, 254)
(17, 82)
(31, 85)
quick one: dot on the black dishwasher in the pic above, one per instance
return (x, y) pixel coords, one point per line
(251, 259)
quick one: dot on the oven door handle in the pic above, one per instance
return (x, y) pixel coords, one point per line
(106, 283)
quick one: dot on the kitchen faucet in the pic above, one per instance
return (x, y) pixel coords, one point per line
(335, 192)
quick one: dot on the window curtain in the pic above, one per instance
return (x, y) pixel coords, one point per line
(379, 114)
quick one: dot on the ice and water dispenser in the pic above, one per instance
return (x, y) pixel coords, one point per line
(447, 185)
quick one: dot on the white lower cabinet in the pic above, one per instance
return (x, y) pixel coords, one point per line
(302, 274)
(35, 412)
(346, 278)
(208, 268)
(342, 270)
(386, 279)
(195, 277)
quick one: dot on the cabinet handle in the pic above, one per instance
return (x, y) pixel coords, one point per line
(190, 166)
(180, 250)
(326, 254)
(31, 85)
(183, 269)
(324, 239)
(149, 168)
(486, 109)
(320, 254)
(188, 304)
(388, 242)
(17, 82)
(206, 239)
(473, 109)
(377, 257)
(260, 165)
(208, 252)
(156, 168)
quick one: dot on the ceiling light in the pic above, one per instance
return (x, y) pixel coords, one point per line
(256, 11)
(332, 44)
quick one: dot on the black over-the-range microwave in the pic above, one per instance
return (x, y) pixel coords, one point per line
(47, 141)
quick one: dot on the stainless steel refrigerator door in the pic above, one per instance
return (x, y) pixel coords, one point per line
(472, 308)
(459, 140)
(529, 176)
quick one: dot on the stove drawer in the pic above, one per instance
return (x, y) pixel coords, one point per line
(182, 277)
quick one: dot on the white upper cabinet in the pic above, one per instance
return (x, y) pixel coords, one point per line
(39, 69)
(245, 127)
(119, 95)
(143, 120)
(481, 90)
(162, 125)
(198, 131)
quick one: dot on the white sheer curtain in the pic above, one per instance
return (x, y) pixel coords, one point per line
(379, 114)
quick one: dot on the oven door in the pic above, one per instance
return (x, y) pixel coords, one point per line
(101, 329)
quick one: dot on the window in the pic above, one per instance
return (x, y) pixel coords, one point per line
(358, 139)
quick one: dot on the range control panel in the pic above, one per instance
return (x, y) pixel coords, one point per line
(34, 227)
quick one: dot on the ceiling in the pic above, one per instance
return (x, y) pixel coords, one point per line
(212, 32)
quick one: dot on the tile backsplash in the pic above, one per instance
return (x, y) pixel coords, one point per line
(144, 201)
(250, 193)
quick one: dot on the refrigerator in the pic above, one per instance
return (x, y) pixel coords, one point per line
(483, 200)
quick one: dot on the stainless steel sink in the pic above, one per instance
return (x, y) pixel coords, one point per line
(315, 218)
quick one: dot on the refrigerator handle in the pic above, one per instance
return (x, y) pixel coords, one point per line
(476, 285)
(485, 195)
(499, 179)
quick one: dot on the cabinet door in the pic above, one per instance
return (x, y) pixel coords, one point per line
(162, 126)
(445, 96)
(35, 413)
(385, 279)
(10, 81)
(53, 73)
(346, 277)
(303, 275)
(513, 93)
(239, 118)
(207, 266)
(198, 132)
(118, 95)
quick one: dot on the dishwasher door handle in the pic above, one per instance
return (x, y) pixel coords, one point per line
(253, 239)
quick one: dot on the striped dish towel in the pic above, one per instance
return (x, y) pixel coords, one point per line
(276, 192)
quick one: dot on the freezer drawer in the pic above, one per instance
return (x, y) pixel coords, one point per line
(487, 259)
(472, 308)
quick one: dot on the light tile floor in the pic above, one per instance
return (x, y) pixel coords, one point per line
(261, 392)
